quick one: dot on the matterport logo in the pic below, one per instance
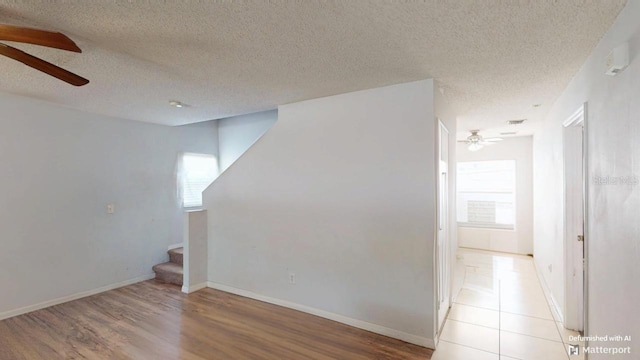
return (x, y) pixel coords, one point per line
(574, 349)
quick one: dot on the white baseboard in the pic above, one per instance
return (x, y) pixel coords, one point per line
(76, 296)
(193, 288)
(556, 307)
(175, 246)
(396, 334)
(548, 294)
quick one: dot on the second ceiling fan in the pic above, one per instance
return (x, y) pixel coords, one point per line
(43, 38)
(476, 142)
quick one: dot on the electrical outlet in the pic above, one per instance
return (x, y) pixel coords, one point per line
(111, 209)
(292, 278)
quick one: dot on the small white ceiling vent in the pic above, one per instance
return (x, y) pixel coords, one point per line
(508, 133)
(515, 122)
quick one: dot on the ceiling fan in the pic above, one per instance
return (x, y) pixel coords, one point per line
(42, 38)
(476, 142)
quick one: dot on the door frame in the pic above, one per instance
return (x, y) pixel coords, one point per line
(439, 216)
(577, 119)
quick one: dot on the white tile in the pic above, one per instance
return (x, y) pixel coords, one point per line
(522, 293)
(478, 298)
(474, 315)
(531, 348)
(483, 282)
(526, 325)
(539, 309)
(474, 336)
(507, 285)
(451, 351)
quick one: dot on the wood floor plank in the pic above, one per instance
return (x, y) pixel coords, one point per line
(153, 320)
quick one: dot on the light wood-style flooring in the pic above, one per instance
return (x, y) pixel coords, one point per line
(152, 320)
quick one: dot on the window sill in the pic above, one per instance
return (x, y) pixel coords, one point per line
(487, 226)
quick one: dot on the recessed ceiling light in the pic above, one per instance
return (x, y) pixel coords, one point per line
(176, 103)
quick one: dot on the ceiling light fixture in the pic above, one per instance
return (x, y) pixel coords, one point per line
(476, 142)
(176, 103)
(474, 146)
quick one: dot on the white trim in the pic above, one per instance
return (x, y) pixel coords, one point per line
(437, 326)
(586, 233)
(577, 119)
(573, 297)
(76, 296)
(175, 246)
(396, 334)
(556, 307)
(193, 288)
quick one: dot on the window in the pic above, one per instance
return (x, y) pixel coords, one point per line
(486, 194)
(198, 171)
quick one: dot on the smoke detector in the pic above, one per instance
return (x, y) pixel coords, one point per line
(516, 122)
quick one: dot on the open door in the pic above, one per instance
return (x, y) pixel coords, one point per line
(574, 219)
(443, 233)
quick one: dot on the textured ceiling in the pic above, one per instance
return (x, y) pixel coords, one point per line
(493, 59)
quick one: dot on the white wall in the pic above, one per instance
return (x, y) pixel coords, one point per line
(519, 240)
(236, 134)
(340, 192)
(613, 122)
(60, 169)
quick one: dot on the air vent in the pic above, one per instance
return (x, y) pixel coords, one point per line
(508, 133)
(516, 122)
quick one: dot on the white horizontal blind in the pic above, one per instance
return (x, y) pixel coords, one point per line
(486, 194)
(198, 172)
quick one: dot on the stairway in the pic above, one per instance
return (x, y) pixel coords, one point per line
(171, 272)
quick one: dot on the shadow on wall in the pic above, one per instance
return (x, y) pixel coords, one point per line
(237, 134)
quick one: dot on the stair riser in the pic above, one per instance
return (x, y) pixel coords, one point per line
(169, 277)
(176, 258)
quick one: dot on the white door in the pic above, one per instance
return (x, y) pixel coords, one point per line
(574, 220)
(442, 243)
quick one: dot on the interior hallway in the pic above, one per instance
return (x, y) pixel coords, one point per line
(501, 312)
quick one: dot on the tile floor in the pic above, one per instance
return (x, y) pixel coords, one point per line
(501, 313)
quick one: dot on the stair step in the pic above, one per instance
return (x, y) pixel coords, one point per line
(169, 272)
(176, 255)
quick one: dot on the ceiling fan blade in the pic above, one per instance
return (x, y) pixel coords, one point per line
(42, 65)
(38, 37)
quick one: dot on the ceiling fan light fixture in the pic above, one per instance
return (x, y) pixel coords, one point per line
(42, 38)
(474, 146)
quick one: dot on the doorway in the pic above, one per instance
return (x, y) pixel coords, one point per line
(575, 240)
(443, 229)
